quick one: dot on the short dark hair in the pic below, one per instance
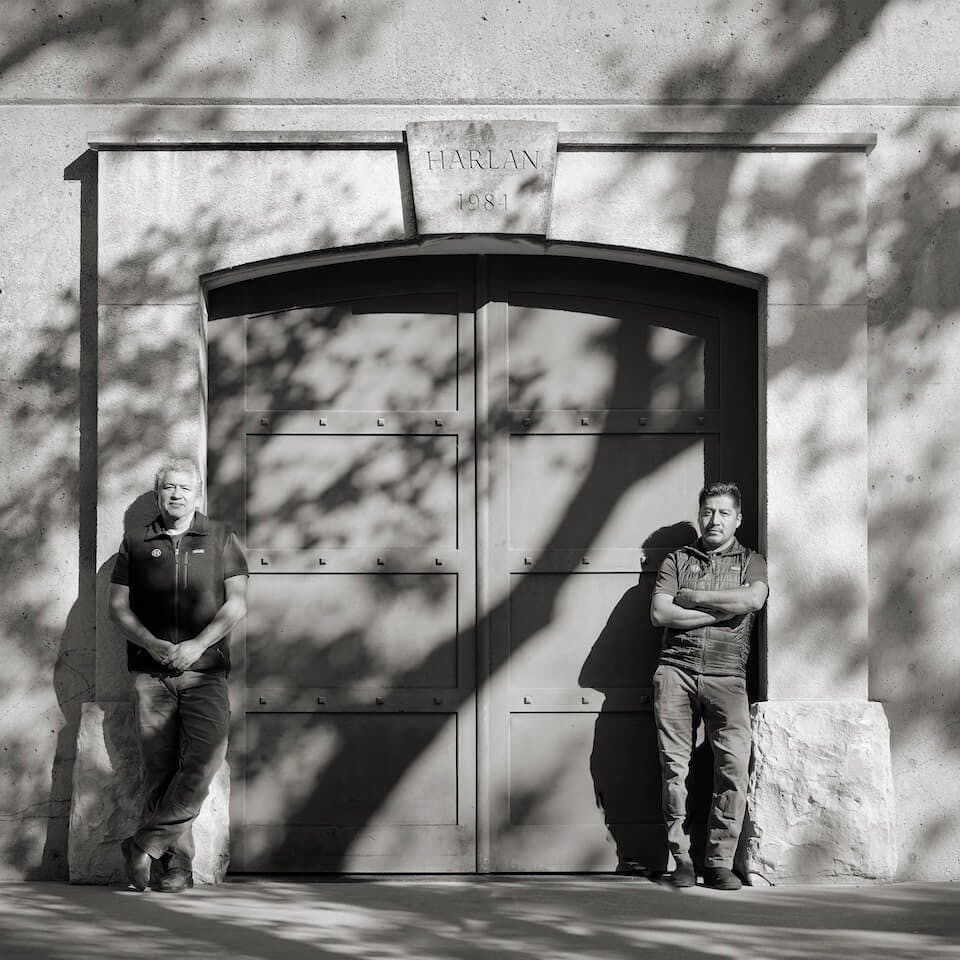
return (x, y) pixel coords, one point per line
(721, 488)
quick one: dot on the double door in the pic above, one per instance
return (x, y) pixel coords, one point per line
(454, 479)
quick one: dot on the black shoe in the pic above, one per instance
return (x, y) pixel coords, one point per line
(175, 880)
(137, 862)
(721, 878)
(683, 873)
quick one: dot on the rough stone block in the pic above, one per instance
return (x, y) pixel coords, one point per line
(821, 793)
(107, 801)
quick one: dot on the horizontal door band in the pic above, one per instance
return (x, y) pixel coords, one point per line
(274, 699)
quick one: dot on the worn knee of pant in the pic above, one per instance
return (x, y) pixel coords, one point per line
(196, 775)
(731, 766)
(731, 777)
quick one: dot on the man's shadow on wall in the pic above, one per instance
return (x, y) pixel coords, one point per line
(75, 683)
(624, 762)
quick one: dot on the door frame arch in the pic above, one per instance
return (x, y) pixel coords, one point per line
(495, 248)
(479, 244)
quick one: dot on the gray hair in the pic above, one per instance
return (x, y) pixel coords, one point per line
(176, 465)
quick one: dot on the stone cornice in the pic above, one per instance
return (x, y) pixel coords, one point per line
(394, 139)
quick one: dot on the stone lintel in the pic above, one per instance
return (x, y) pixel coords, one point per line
(821, 793)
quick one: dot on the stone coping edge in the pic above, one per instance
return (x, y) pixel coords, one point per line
(392, 139)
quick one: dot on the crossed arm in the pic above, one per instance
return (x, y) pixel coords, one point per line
(691, 609)
(180, 656)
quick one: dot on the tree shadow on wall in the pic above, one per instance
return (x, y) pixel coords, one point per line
(75, 666)
(915, 203)
(127, 49)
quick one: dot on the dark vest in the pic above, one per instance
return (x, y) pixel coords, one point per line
(721, 649)
(176, 592)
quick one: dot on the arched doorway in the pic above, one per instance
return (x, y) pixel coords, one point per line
(455, 477)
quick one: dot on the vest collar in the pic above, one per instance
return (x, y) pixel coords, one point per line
(697, 550)
(156, 530)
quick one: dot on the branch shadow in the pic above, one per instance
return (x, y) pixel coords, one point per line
(592, 502)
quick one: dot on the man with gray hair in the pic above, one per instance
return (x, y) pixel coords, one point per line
(177, 589)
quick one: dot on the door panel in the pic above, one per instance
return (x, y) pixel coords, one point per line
(342, 447)
(552, 630)
(332, 357)
(563, 356)
(612, 396)
(351, 490)
(636, 480)
(299, 828)
(353, 629)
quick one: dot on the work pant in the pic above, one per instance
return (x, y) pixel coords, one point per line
(680, 701)
(182, 723)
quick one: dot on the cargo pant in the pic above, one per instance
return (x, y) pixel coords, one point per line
(681, 700)
(182, 723)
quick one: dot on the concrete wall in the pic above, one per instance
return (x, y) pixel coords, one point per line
(743, 67)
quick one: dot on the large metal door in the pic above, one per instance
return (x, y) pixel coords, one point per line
(611, 394)
(341, 446)
(384, 720)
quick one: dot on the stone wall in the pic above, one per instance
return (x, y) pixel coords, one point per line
(193, 207)
(615, 69)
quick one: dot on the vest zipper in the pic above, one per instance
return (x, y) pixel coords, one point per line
(176, 590)
(186, 568)
(707, 566)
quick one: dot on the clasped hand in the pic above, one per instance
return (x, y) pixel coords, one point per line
(177, 656)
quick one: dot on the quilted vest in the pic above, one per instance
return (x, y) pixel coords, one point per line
(721, 649)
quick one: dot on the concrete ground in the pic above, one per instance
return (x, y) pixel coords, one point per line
(534, 918)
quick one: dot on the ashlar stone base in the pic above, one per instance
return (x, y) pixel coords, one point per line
(821, 793)
(107, 803)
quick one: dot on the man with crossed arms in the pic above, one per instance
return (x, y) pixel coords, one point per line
(706, 598)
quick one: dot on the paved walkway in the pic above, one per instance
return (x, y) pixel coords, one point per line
(542, 918)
